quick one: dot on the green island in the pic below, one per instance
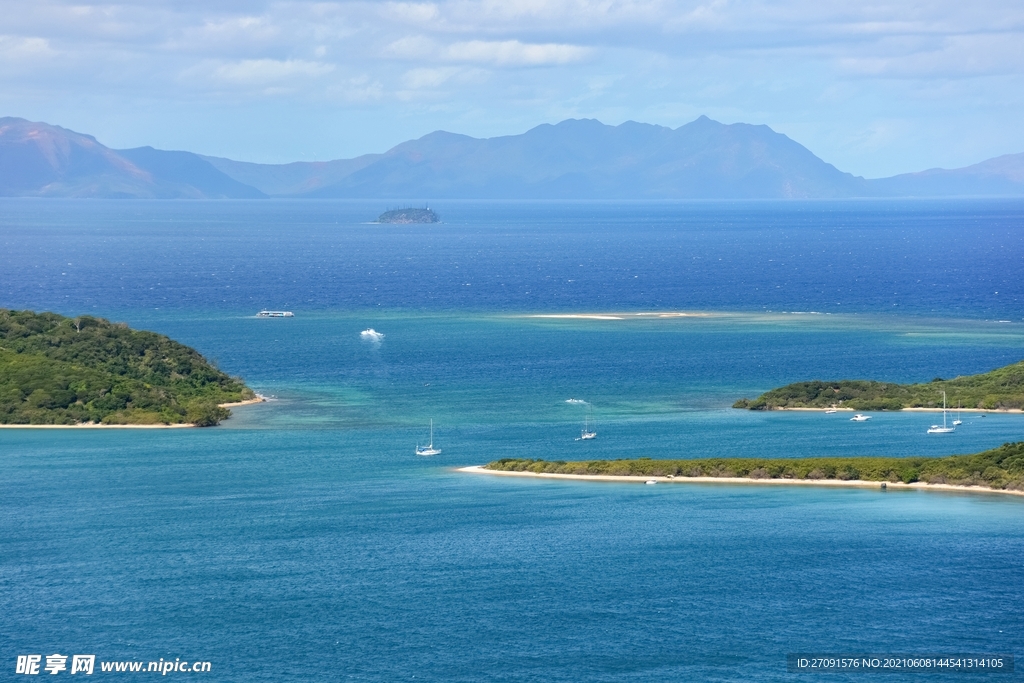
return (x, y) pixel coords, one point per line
(405, 216)
(1000, 468)
(1000, 389)
(73, 371)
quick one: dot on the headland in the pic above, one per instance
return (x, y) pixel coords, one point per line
(88, 372)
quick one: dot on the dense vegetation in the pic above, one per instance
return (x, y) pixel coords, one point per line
(57, 370)
(999, 468)
(1002, 388)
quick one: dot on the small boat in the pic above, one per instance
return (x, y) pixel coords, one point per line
(372, 335)
(936, 429)
(585, 433)
(860, 418)
(832, 410)
(429, 448)
(957, 422)
(275, 314)
(651, 482)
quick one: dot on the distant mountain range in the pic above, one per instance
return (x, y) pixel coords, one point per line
(575, 159)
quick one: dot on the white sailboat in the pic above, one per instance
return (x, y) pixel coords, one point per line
(936, 429)
(429, 448)
(957, 421)
(585, 433)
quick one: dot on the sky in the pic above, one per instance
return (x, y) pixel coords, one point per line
(875, 88)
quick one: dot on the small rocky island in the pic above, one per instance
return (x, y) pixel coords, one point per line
(424, 215)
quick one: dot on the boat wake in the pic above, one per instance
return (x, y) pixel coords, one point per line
(371, 335)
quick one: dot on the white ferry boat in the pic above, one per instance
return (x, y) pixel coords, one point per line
(275, 314)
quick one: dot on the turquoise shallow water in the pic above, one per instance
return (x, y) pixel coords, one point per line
(303, 540)
(497, 385)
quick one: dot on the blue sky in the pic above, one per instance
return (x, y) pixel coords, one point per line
(876, 88)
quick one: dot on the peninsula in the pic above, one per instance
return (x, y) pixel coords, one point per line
(405, 216)
(87, 371)
(1000, 389)
(1000, 469)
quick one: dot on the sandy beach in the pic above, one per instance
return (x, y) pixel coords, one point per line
(94, 425)
(835, 483)
(251, 401)
(902, 410)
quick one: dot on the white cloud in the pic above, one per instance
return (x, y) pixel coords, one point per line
(953, 56)
(230, 31)
(416, 79)
(514, 53)
(412, 12)
(411, 47)
(495, 53)
(17, 48)
(266, 71)
(553, 16)
(357, 90)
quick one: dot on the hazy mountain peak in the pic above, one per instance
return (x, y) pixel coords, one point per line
(39, 159)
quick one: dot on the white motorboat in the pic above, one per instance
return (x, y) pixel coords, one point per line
(275, 314)
(943, 429)
(429, 448)
(860, 418)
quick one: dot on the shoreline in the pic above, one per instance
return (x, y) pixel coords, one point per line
(95, 425)
(252, 401)
(746, 481)
(1009, 411)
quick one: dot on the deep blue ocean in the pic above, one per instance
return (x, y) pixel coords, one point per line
(303, 540)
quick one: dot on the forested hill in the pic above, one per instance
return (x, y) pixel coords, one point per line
(58, 370)
(1000, 389)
